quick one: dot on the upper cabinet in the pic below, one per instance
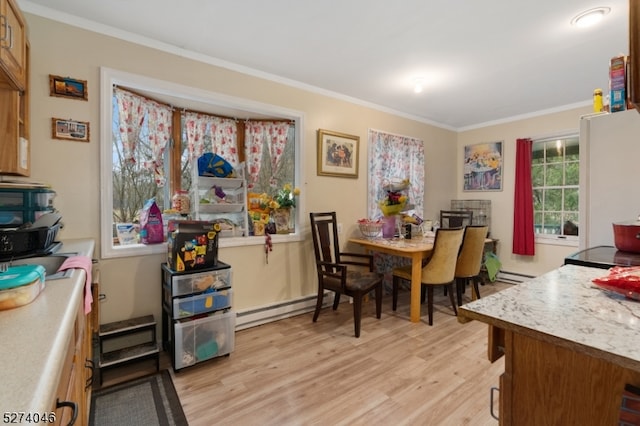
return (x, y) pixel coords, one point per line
(15, 151)
(13, 45)
(634, 51)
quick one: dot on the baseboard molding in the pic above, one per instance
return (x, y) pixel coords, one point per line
(513, 277)
(269, 313)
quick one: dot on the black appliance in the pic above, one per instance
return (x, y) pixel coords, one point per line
(603, 257)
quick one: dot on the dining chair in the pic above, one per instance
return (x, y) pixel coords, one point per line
(470, 260)
(456, 218)
(438, 271)
(334, 273)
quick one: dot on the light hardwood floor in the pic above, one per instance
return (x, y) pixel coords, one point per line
(296, 372)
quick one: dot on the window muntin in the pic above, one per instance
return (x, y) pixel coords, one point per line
(555, 178)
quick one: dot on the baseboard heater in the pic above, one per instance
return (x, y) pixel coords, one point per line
(265, 314)
(513, 277)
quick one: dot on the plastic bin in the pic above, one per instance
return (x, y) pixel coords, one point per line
(197, 282)
(202, 303)
(204, 338)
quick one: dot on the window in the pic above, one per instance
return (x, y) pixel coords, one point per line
(145, 167)
(555, 177)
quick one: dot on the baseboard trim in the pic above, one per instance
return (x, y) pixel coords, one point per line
(513, 277)
(257, 316)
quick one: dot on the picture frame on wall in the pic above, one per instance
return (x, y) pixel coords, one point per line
(483, 167)
(338, 154)
(70, 130)
(66, 87)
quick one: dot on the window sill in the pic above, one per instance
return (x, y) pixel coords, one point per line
(558, 241)
(130, 250)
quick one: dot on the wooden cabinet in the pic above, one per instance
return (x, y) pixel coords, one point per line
(547, 383)
(73, 397)
(13, 43)
(634, 51)
(15, 151)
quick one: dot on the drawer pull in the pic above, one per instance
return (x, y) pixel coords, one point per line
(88, 363)
(493, 391)
(74, 407)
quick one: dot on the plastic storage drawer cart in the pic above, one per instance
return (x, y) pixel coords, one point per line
(198, 322)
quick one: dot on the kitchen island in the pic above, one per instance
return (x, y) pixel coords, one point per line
(35, 355)
(570, 348)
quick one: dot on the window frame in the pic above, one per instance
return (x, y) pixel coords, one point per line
(555, 239)
(110, 77)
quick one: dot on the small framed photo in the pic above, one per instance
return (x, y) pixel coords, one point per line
(66, 87)
(338, 154)
(483, 167)
(70, 130)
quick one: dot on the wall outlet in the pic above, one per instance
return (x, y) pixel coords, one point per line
(339, 228)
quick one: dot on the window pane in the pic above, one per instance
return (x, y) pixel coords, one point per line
(537, 175)
(572, 173)
(537, 199)
(571, 200)
(552, 223)
(554, 175)
(553, 199)
(554, 151)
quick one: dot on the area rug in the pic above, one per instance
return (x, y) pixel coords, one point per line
(148, 401)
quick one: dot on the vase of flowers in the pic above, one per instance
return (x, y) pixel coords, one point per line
(282, 205)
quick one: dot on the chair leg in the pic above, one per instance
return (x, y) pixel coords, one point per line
(460, 285)
(430, 303)
(453, 302)
(357, 312)
(336, 301)
(318, 303)
(379, 300)
(476, 289)
(394, 292)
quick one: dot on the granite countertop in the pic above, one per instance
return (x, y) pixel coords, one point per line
(35, 338)
(564, 307)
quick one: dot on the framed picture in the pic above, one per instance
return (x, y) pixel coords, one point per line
(483, 167)
(337, 154)
(70, 130)
(65, 87)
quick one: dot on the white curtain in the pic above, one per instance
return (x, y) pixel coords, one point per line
(256, 133)
(394, 157)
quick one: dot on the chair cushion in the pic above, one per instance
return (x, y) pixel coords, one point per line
(356, 281)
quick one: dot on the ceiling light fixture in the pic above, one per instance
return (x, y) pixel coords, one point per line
(418, 85)
(590, 17)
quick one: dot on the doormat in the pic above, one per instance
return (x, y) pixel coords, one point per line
(151, 400)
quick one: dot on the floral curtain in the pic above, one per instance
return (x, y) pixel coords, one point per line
(276, 135)
(523, 231)
(131, 111)
(196, 126)
(393, 156)
(159, 123)
(224, 139)
(134, 110)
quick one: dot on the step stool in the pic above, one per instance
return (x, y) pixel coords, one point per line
(119, 357)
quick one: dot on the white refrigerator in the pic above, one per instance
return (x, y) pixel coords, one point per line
(609, 174)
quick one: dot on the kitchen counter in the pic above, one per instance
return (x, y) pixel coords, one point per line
(569, 347)
(35, 338)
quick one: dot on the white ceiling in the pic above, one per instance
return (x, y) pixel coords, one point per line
(484, 61)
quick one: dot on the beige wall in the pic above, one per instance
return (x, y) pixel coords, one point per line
(547, 257)
(132, 285)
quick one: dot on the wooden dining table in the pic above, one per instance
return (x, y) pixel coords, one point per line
(415, 249)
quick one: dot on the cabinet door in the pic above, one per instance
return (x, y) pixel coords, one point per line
(13, 42)
(14, 148)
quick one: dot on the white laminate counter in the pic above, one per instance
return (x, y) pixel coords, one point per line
(564, 307)
(35, 337)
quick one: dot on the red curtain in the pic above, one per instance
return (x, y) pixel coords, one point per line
(523, 235)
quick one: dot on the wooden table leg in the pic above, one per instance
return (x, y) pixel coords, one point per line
(416, 278)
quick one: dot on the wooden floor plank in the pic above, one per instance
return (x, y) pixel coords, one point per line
(296, 372)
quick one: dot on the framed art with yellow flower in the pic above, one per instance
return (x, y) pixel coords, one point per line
(483, 167)
(338, 154)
